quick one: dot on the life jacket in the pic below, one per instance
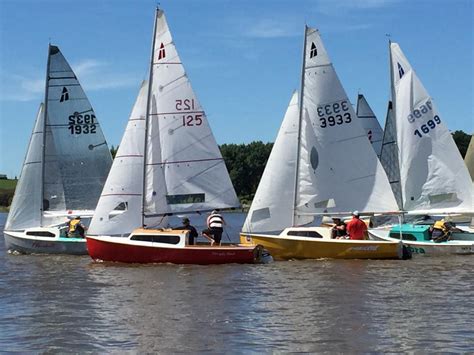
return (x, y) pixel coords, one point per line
(73, 225)
(440, 225)
(216, 221)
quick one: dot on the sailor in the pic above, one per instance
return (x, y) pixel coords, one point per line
(439, 232)
(339, 229)
(76, 228)
(356, 228)
(215, 227)
(192, 231)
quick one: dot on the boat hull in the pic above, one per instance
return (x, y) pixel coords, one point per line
(25, 244)
(428, 248)
(286, 247)
(116, 250)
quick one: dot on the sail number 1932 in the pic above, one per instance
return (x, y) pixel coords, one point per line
(82, 124)
(190, 118)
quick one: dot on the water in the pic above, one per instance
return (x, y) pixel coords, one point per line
(68, 303)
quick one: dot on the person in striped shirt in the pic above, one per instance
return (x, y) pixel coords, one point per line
(215, 227)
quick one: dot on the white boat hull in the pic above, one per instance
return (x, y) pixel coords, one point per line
(24, 243)
(428, 248)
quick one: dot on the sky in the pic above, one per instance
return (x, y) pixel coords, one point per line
(243, 58)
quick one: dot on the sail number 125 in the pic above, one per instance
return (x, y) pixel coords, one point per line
(190, 118)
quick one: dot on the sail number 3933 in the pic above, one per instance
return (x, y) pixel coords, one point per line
(334, 114)
(191, 118)
(82, 124)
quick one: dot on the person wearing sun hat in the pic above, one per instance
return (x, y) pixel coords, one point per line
(356, 228)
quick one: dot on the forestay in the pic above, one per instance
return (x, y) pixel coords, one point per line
(369, 122)
(119, 210)
(432, 173)
(273, 202)
(339, 170)
(185, 171)
(25, 210)
(77, 159)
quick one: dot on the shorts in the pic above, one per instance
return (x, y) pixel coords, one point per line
(215, 233)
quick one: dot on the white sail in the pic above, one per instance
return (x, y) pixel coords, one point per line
(432, 173)
(369, 122)
(185, 171)
(338, 170)
(77, 159)
(389, 155)
(273, 202)
(25, 210)
(119, 210)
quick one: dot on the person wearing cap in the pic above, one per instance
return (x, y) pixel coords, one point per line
(339, 229)
(193, 234)
(356, 228)
(215, 227)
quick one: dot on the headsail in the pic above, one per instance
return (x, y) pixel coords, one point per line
(77, 159)
(340, 170)
(119, 210)
(432, 173)
(185, 171)
(25, 211)
(369, 122)
(273, 201)
(389, 155)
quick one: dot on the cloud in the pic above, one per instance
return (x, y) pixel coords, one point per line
(92, 74)
(271, 28)
(331, 7)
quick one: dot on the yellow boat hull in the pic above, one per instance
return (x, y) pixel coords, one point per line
(286, 247)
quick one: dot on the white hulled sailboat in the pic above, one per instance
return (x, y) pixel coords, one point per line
(432, 177)
(65, 167)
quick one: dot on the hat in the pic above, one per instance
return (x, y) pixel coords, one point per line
(355, 213)
(185, 220)
(214, 212)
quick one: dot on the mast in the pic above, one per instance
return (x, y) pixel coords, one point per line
(147, 115)
(300, 119)
(45, 119)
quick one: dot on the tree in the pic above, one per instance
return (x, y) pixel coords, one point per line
(462, 140)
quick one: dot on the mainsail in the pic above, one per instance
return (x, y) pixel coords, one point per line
(25, 210)
(77, 159)
(67, 159)
(432, 173)
(338, 169)
(369, 122)
(184, 169)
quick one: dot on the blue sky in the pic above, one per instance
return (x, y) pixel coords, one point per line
(243, 57)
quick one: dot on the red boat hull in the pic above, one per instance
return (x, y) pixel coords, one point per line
(106, 250)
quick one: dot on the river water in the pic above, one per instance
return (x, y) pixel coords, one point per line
(70, 304)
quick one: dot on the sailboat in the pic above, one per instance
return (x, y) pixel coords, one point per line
(321, 162)
(369, 122)
(430, 177)
(168, 163)
(65, 167)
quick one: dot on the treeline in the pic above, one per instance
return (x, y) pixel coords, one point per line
(245, 163)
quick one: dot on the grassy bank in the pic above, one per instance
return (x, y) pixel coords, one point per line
(7, 189)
